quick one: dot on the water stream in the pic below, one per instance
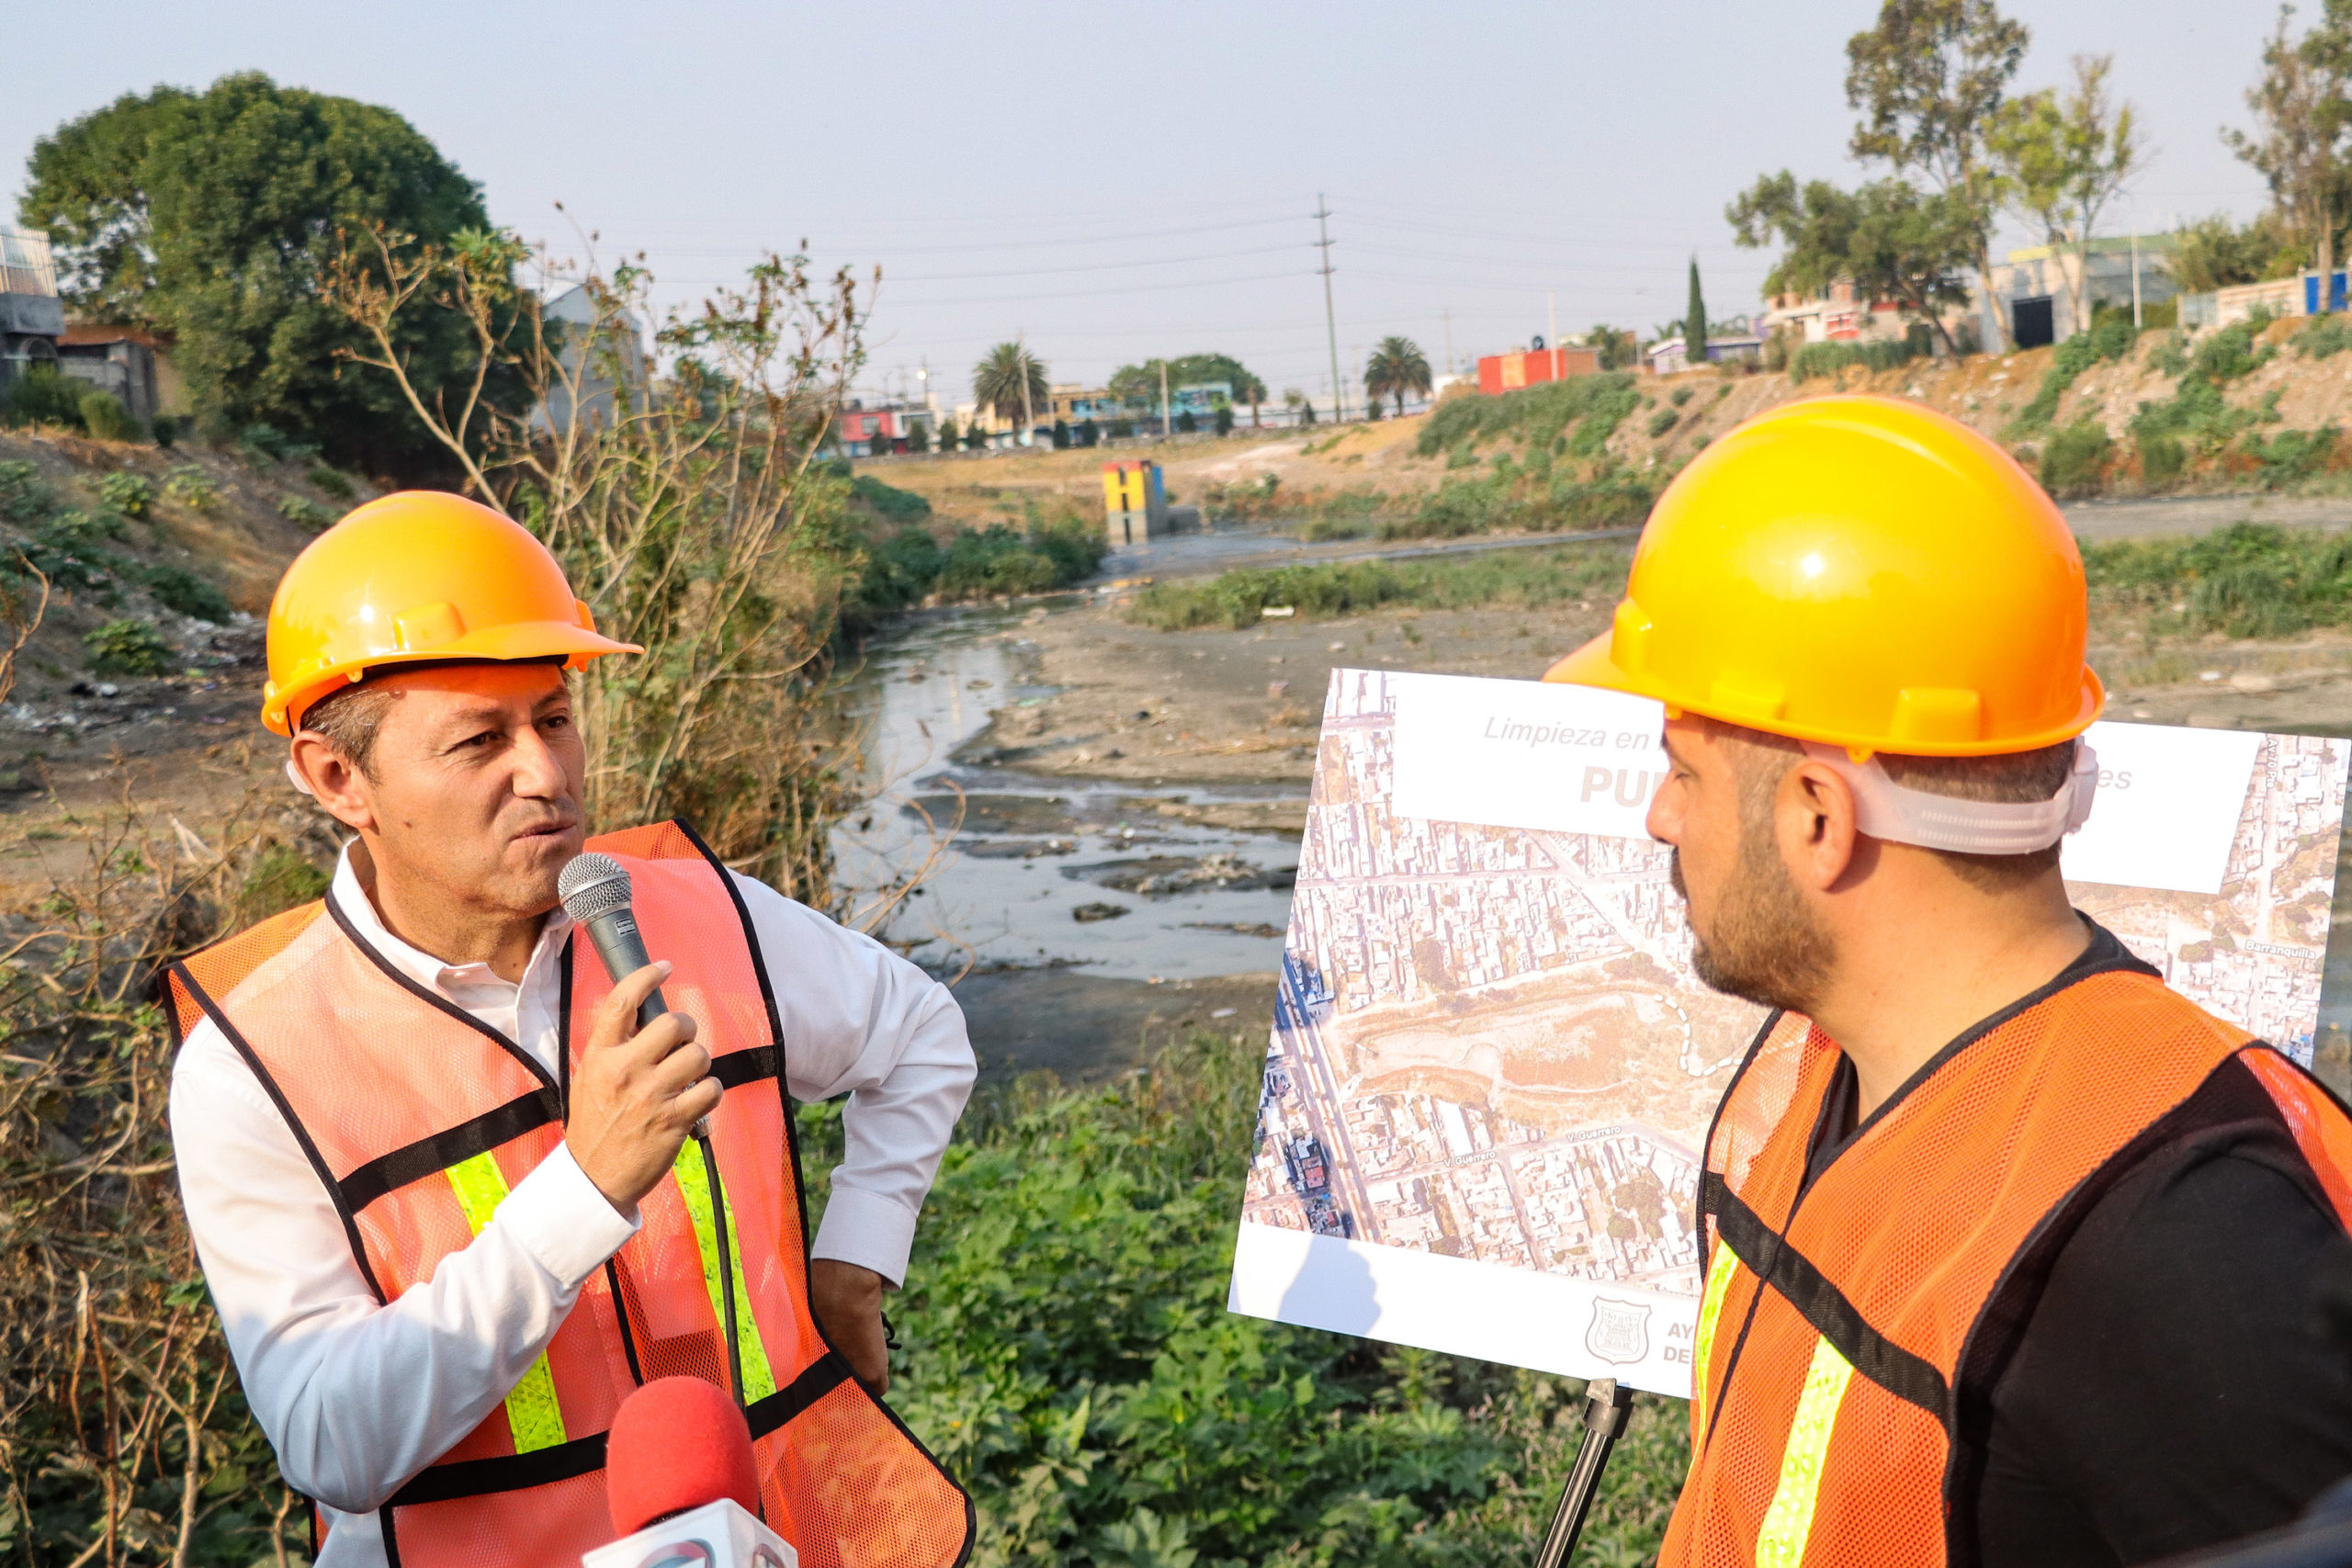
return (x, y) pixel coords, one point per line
(1033, 876)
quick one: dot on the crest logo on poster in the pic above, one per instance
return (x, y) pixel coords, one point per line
(1619, 1331)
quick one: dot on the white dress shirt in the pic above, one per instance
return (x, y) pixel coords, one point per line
(355, 1396)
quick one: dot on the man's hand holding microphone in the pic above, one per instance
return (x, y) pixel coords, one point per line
(644, 1088)
(637, 1093)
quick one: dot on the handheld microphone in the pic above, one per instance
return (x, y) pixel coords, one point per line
(683, 1485)
(595, 893)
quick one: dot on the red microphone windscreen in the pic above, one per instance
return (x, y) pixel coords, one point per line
(677, 1443)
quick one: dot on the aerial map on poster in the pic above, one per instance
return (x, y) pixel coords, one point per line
(1493, 1069)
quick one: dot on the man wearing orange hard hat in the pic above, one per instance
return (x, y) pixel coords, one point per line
(452, 1202)
(2013, 1255)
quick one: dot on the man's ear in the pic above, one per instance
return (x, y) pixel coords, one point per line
(334, 783)
(1816, 818)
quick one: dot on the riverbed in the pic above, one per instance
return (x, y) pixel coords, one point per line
(1082, 919)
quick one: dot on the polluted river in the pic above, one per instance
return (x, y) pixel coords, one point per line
(1090, 918)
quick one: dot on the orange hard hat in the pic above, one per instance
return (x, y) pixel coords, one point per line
(1860, 572)
(416, 576)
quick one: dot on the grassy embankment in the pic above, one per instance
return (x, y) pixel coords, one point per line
(1045, 541)
(1535, 459)
(1069, 1357)
(2246, 580)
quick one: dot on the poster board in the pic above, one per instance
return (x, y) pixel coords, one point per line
(1492, 1068)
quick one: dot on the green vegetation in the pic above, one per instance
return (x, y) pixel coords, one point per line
(1395, 367)
(2112, 337)
(2323, 336)
(128, 648)
(130, 494)
(105, 419)
(304, 512)
(216, 215)
(2247, 580)
(895, 505)
(1069, 1355)
(909, 564)
(2074, 461)
(1536, 417)
(178, 589)
(1530, 576)
(1662, 421)
(42, 396)
(2196, 412)
(193, 488)
(333, 482)
(1821, 359)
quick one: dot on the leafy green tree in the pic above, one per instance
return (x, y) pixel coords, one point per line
(947, 436)
(2303, 111)
(1617, 348)
(2063, 159)
(1139, 384)
(1396, 366)
(1010, 380)
(918, 435)
(1896, 244)
(1929, 80)
(2216, 253)
(1061, 435)
(215, 216)
(1694, 320)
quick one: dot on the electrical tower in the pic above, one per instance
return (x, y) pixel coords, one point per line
(1330, 323)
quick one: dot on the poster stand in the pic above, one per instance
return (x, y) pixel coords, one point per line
(1606, 1407)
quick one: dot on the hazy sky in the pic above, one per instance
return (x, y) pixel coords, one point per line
(1118, 180)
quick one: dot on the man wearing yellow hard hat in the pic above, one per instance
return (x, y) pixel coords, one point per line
(453, 1204)
(2013, 1255)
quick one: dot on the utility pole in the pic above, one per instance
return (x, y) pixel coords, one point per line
(1028, 417)
(1551, 319)
(1167, 425)
(1449, 340)
(1330, 321)
(2135, 277)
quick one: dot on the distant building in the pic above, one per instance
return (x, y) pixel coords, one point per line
(2034, 288)
(1532, 368)
(1673, 354)
(32, 318)
(878, 429)
(1840, 313)
(589, 354)
(132, 364)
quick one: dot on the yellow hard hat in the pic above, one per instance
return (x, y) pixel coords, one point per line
(1861, 571)
(416, 576)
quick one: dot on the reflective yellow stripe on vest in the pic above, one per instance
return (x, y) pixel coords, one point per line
(1789, 1521)
(1711, 1307)
(694, 1183)
(531, 1413)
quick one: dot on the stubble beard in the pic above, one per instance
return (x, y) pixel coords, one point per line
(1765, 946)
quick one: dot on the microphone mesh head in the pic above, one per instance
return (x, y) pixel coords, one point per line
(676, 1443)
(592, 885)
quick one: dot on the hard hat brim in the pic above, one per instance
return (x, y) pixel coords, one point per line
(1593, 665)
(512, 643)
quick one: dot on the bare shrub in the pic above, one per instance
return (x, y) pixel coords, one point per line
(681, 494)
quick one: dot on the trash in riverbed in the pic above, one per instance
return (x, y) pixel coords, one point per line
(1086, 914)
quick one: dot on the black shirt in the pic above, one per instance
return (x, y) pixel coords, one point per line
(2175, 1383)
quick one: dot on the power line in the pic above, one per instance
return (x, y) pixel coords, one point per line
(1092, 267)
(1097, 293)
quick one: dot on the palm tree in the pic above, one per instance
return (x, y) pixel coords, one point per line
(1396, 366)
(1012, 381)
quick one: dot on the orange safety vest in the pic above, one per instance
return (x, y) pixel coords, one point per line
(1850, 1332)
(419, 1120)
